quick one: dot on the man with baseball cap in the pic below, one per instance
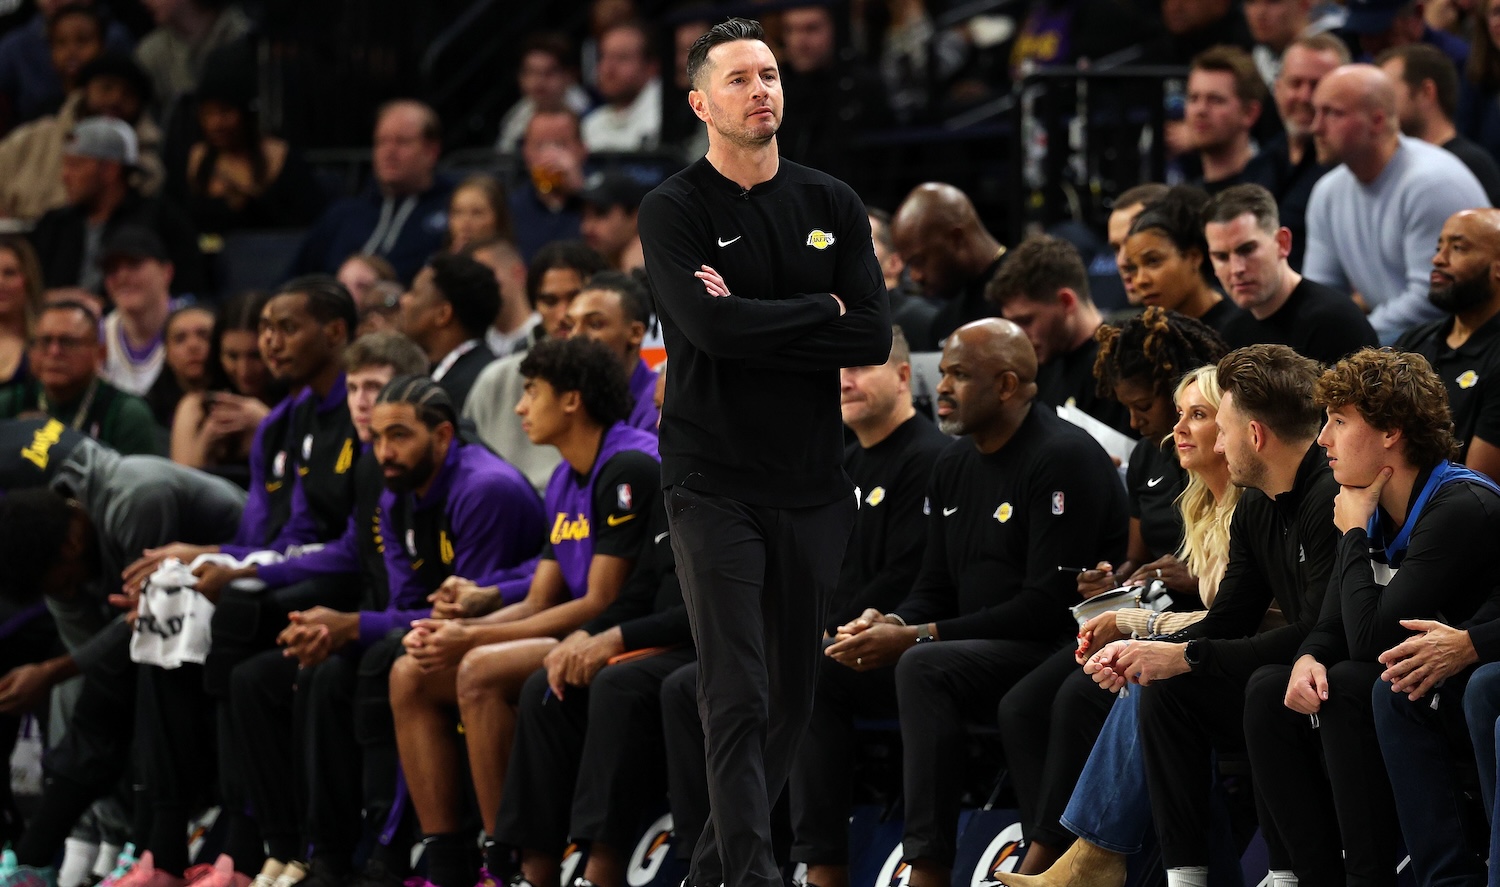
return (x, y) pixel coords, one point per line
(99, 160)
(138, 280)
(610, 203)
(1386, 24)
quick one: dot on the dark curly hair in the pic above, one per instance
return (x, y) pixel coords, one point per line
(33, 527)
(1178, 216)
(585, 366)
(1158, 347)
(1394, 391)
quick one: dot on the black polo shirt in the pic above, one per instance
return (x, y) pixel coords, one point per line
(1471, 373)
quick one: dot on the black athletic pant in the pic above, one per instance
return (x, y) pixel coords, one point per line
(823, 774)
(757, 581)
(589, 764)
(341, 780)
(1324, 789)
(261, 692)
(1183, 721)
(177, 724)
(1048, 724)
(941, 688)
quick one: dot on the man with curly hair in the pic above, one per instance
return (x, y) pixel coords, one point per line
(1409, 523)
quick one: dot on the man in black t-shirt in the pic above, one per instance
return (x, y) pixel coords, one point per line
(1019, 494)
(1426, 101)
(948, 253)
(1044, 289)
(1249, 249)
(1464, 348)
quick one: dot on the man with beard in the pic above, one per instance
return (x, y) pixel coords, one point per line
(948, 253)
(766, 281)
(1020, 494)
(1464, 347)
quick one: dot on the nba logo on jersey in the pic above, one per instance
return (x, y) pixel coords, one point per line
(1057, 502)
(623, 497)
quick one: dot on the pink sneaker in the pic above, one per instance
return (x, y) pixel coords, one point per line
(220, 874)
(144, 874)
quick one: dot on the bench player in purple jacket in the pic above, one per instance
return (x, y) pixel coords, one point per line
(598, 507)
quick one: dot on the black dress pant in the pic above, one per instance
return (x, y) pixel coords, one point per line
(757, 581)
(941, 688)
(823, 775)
(1183, 721)
(1324, 789)
(265, 735)
(1048, 724)
(586, 766)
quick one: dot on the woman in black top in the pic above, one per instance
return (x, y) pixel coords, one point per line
(1166, 259)
(212, 427)
(237, 176)
(188, 339)
(1049, 720)
(20, 299)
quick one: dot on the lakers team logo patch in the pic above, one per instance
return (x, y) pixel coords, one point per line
(819, 239)
(1003, 513)
(1468, 380)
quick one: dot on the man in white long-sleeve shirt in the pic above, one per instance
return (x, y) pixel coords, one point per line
(1373, 222)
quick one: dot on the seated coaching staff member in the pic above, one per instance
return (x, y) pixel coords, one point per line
(767, 284)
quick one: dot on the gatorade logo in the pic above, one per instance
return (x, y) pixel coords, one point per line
(650, 852)
(39, 451)
(894, 873)
(1002, 855)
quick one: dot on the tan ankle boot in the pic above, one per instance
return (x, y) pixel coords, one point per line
(1084, 865)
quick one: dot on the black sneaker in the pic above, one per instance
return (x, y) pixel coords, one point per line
(375, 874)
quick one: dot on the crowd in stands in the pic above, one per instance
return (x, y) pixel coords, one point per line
(378, 556)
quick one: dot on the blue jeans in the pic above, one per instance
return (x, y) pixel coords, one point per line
(1482, 712)
(1414, 741)
(1111, 806)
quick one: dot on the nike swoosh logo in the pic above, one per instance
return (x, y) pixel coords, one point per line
(948, 512)
(1155, 480)
(615, 520)
(661, 536)
(723, 242)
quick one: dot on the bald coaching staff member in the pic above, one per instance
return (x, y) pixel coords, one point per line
(767, 285)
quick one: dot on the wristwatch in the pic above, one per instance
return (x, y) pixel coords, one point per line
(1195, 653)
(924, 633)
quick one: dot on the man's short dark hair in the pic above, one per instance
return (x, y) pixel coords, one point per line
(124, 68)
(327, 300)
(470, 287)
(635, 301)
(552, 43)
(430, 400)
(585, 366)
(880, 226)
(573, 255)
(33, 529)
(727, 31)
(386, 348)
(1273, 385)
(1140, 195)
(1037, 269)
(82, 308)
(1420, 63)
(1236, 200)
(1237, 63)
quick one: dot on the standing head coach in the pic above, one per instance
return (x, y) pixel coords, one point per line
(766, 283)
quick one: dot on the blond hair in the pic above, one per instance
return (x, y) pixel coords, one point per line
(1205, 520)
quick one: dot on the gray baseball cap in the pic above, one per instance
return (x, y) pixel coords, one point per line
(103, 138)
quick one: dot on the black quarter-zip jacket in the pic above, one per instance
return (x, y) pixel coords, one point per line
(752, 401)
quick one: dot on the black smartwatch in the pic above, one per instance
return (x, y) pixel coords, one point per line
(1195, 653)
